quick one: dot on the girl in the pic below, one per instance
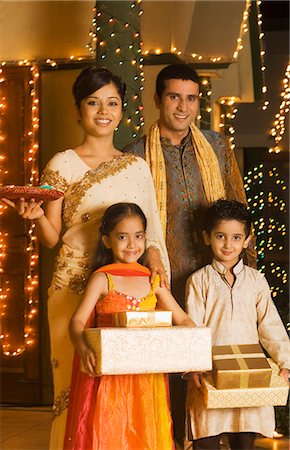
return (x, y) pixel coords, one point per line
(124, 411)
(93, 175)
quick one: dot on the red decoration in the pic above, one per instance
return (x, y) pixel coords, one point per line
(28, 192)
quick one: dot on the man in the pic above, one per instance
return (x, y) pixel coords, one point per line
(190, 169)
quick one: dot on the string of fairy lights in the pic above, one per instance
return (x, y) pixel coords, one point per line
(195, 57)
(228, 111)
(269, 208)
(31, 145)
(5, 285)
(228, 106)
(205, 108)
(270, 229)
(119, 47)
(278, 129)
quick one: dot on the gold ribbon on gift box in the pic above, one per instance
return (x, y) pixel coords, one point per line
(140, 319)
(247, 362)
(276, 394)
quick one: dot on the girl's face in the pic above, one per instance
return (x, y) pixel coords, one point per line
(227, 240)
(101, 112)
(127, 240)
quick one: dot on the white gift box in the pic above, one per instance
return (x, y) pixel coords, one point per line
(150, 350)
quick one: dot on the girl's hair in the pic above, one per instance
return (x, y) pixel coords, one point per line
(113, 215)
(227, 210)
(93, 78)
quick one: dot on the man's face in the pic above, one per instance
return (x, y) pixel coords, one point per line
(178, 105)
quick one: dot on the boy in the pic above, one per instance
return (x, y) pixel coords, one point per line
(234, 300)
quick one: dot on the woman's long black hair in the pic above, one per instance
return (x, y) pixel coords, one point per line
(112, 216)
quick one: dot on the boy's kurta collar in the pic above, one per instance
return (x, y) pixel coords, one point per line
(220, 268)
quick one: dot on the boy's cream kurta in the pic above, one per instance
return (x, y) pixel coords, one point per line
(242, 314)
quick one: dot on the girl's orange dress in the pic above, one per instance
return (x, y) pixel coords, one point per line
(119, 412)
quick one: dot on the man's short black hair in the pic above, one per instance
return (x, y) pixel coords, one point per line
(227, 210)
(177, 72)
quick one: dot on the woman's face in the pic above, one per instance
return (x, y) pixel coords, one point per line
(100, 113)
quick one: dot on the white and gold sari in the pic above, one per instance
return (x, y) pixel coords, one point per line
(87, 194)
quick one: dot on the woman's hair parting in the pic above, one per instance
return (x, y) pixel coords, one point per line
(93, 78)
(227, 210)
(112, 216)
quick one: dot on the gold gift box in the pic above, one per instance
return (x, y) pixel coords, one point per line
(143, 319)
(240, 366)
(150, 350)
(274, 395)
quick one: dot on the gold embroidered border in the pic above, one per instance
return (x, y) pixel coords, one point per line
(91, 177)
(53, 178)
(77, 284)
(61, 402)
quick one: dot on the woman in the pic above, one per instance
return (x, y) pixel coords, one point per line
(93, 176)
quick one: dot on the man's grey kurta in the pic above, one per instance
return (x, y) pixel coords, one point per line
(186, 203)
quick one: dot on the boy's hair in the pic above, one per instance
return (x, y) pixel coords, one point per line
(176, 72)
(112, 216)
(227, 210)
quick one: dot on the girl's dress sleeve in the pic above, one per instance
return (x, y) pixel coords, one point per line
(154, 235)
(272, 333)
(57, 172)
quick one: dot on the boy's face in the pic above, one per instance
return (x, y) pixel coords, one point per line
(227, 240)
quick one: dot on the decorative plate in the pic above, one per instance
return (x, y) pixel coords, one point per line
(45, 193)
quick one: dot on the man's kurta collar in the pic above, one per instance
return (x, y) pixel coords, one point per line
(186, 141)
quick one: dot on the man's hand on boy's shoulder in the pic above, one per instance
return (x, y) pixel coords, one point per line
(196, 377)
(284, 373)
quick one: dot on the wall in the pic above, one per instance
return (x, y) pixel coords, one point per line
(44, 29)
(252, 123)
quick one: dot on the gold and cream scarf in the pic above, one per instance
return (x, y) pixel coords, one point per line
(207, 163)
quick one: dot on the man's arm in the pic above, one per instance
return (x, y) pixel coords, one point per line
(136, 147)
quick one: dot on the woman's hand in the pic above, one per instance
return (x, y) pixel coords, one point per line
(154, 263)
(89, 361)
(26, 209)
